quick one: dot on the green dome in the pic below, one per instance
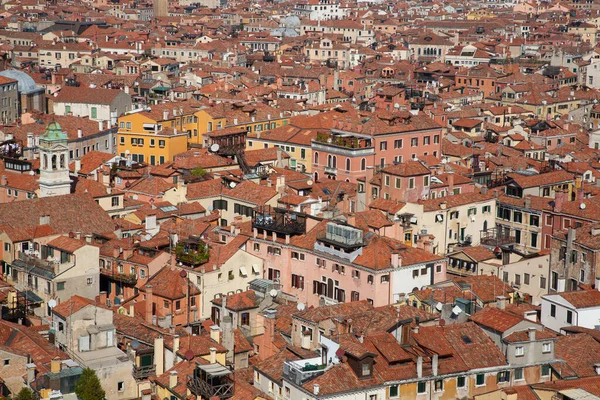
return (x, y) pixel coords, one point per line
(54, 132)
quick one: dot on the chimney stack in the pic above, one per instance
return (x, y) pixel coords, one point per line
(149, 305)
(434, 365)
(215, 333)
(213, 355)
(172, 379)
(531, 334)
(55, 365)
(159, 354)
(419, 367)
(175, 343)
(500, 302)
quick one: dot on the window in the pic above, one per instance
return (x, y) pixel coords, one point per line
(274, 250)
(385, 278)
(411, 183)
(60, 286)
(526, 279)
(534, 220)
(89, 281)
(366, 369)
(397, 183)
(546, 347)
(439, 385)
(394, 391)
(553, 310)
(553, 280)
(256, 247)
(545, 370)
(414, 142)
(480, 380)
(383, 146)
(297, 256)
(461, 382)
(542, 282)
(518, 374)
(6, 362)
(421, 387)
(165, 304)
(178, 305)
(370, 279)
(94, 113)
(426, 140)
(115, 201)
(387, 180)
(519, 351)
(569, 317)
(120, 386)
(398, 143)
(298, 282)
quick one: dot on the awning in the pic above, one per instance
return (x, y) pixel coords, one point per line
(255, 269)
(32, 297)
(161, 89)
(243, 272)
(215, 370)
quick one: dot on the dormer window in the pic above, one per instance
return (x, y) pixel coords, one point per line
(366, 369)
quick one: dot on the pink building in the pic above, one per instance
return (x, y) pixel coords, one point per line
(356, 144)
(330, 262)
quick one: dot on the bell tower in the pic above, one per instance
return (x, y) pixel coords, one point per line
(54, 162)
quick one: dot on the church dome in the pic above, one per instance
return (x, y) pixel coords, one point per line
(54, 132)
(25, 83)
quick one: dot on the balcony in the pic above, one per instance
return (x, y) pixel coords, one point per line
(140, 373)
(343, 145)
(192, 251)
(331, 171)
(127, 279)
(209, 381)
(495, 237)
(279, 220)
(302, 371)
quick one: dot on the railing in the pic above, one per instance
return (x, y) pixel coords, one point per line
(143, 372)
(303, 371)
(331, 170)
(496, 237)
(34, 261)
(128, 279)
(204, 389)
(279, 221)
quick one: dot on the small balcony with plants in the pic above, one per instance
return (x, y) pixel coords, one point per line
(192, 251)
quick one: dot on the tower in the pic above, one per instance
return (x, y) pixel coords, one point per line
(161, 8)
(54, 162)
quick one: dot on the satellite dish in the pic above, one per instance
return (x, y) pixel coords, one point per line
(273, 293)
(309, 182)
(189, 355)
(214, 148)
(301, 306)
(582, 206)
(135, 344)
(438, 306)
(122, 310)
(51, 303)
(126, 152)
(232, 185)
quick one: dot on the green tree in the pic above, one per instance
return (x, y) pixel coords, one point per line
(25, 394)
(88, 386)
(198, 172)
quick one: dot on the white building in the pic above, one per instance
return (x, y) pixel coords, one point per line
(578, 308)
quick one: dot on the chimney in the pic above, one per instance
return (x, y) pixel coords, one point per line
(55, 365)
(30, 373)
(580, 193)
(396, 261)
(102, 296)
(4, 180)
(528, 202)
(531, 334)
(316, 389)
(500, 302)
(434, 365)
(88, 238)
(215, 333)
(559, 200)
(172, 379)
(100, 126)
(175, 343)
(30, 140)
(44, 219)
(131, 309)
(213, 355)
(165, 115)
(77, 166)
(79, 133)
(450, 181)
(419, 367)
(159, 354)
(149, 306)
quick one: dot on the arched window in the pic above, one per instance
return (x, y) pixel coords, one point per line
(363, 164)
(347, 164)
(316, 158)
(62, 161)
(45, 161)
(334, 162)
(329, 161)
(53, 162)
